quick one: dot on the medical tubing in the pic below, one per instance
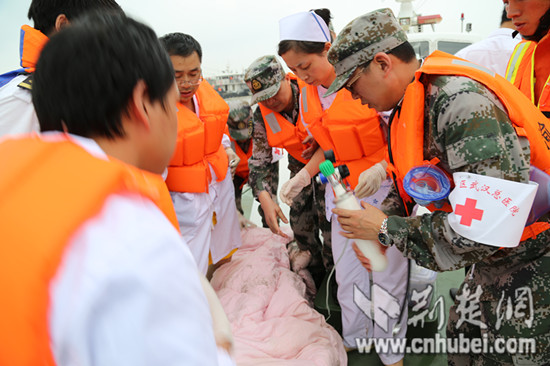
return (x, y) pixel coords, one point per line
(330, 276)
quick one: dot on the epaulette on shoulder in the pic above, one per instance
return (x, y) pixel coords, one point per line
(27, 83)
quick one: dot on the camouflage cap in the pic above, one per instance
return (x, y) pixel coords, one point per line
(240, 120)
(360, 40)
(264, 77)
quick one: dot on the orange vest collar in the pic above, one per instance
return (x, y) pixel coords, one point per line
(32, 42)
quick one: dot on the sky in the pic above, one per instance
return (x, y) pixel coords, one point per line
(233, 33)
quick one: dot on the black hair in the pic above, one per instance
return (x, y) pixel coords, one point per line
(86, 74)
(45, 12)
(404, 52)
(306, 46)
(504, 18)
(542, 29)
(181, 44)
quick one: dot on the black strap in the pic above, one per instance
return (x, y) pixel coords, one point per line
(396, 110)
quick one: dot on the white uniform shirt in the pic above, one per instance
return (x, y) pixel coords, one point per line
(127, 291)
(17, 113)
(492, 52)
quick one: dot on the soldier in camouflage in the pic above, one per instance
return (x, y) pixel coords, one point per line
(278, 92)
(468, 129)
(240, 128)
(239, 124)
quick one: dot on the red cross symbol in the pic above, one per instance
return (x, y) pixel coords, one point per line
(469, 212)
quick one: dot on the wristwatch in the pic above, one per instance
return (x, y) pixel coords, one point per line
(383, 236)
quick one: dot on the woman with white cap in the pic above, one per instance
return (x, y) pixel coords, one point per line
(353, 132)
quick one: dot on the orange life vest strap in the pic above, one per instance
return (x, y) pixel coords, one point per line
(531, 231)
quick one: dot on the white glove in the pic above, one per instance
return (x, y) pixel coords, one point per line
(369, 181)
(294, 186)
(233, 160)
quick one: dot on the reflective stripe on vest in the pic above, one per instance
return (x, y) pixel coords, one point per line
(47, 195)
(273, 123)
(305, 103)
(515, 60)
(527, 57)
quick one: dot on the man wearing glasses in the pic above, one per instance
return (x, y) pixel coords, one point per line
(199, 174)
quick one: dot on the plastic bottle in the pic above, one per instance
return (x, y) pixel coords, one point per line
(346, 200)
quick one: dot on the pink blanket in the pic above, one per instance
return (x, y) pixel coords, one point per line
(264, 301)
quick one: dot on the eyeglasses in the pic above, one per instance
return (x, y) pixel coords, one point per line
(191, 82)
(349, 84)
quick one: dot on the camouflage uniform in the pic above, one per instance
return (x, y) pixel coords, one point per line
(307, 213)
(455, 135)
(467, 128)
(239, 124)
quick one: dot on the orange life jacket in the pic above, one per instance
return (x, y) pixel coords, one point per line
(199, 143)
(526, 61)
(48, 190)
(348, 128)
(282, 133)
(242, 169)
(407, 138)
